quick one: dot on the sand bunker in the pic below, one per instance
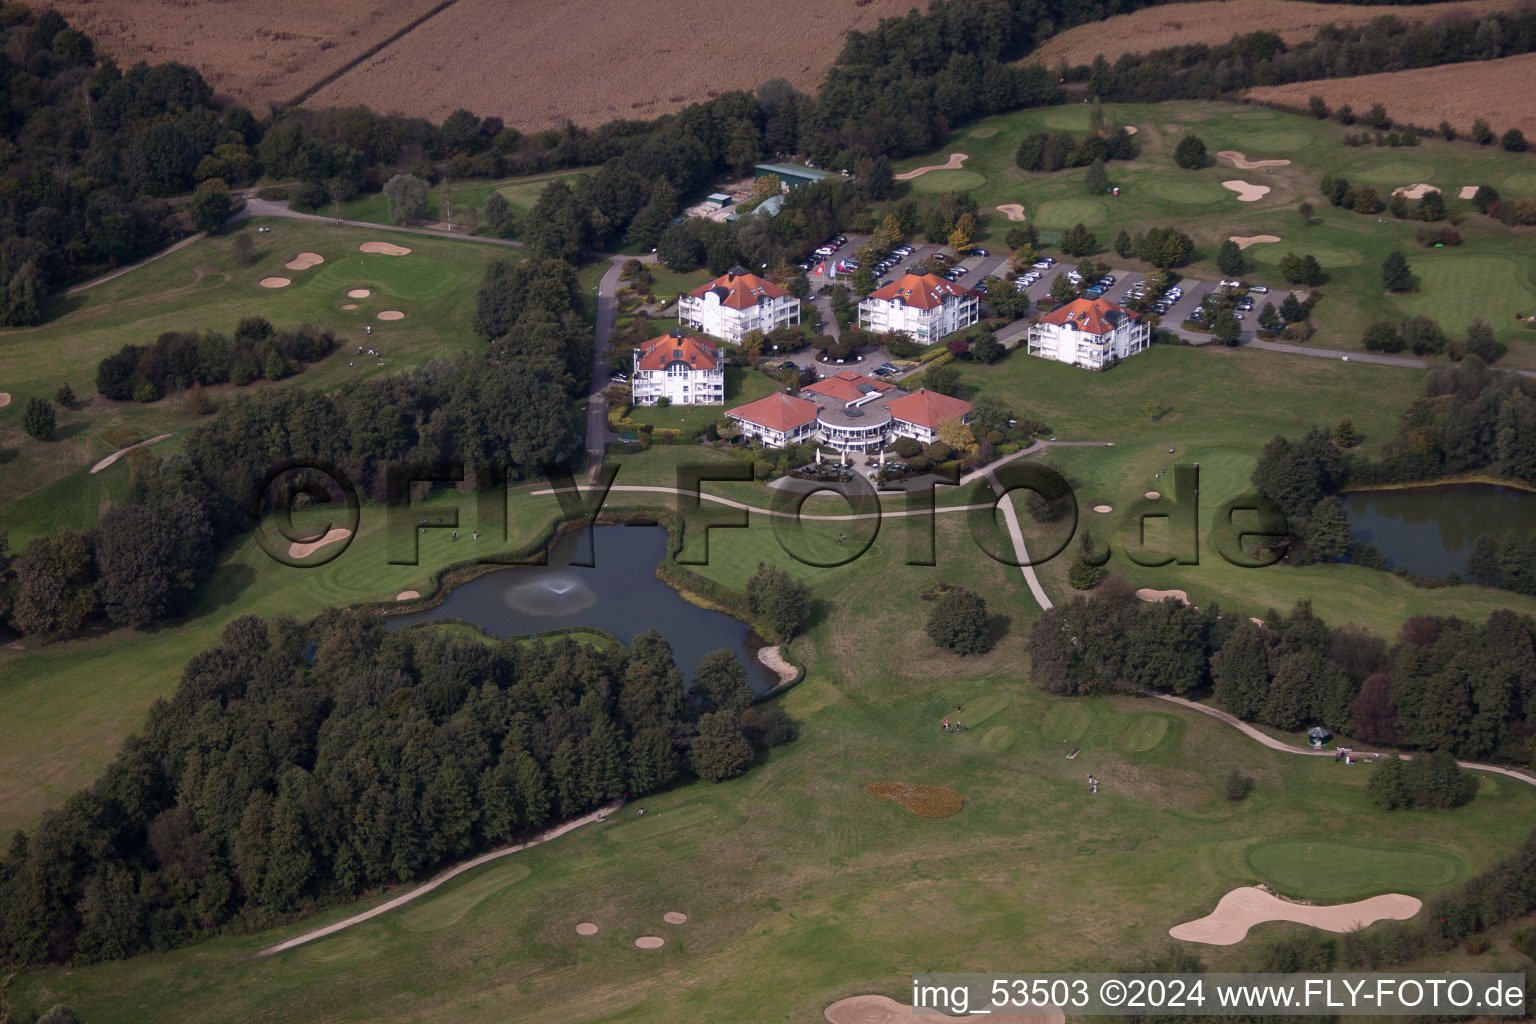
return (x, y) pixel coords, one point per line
(359, 293)
(384, 248)
(586, 928)
(1244, 241)
(650, 942)
(956, 161)
(303, 549)
(674, 917)
(1243, 908)
(1257, 622)
(275, 282)
(305, 260)
(5, 399)
(407, 595)
(1242, 163)
(349, 305)
(1467, 192)
(391, 314)
(883, 1010)
(1246, 191)
(776, 663)
(1155, 596)
(1014, 211)
(1418, 190)
(1153, 495)
(1130, 129)
(1101, 509)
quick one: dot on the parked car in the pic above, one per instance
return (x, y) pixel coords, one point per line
(803, 265)
(1106, 280)
(1044, 264)
(978, 252)
(1074, 277)
(1261, 289)
(961, 270)
(825, 251)
(1231, 284)
(1094, 292)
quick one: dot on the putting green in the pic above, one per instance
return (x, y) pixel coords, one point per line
(986, 131)
(1066, 117)
(1145, 732)
(1455, 286)
(347, 945)
(1518, 183)
(638, 830)
(1187, 192)
(403, 277)
(1327, 255)
(1282, 142)
(1066, 722)
(978, 711)
(1063, 213)
(448, 906)
(1399, 172)
(999, 738)
(948, 181)
(1254, 115)
(1322, 869)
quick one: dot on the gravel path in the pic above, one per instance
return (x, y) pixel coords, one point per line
(104, 463)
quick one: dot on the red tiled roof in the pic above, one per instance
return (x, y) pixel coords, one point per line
(1092, 316)
(847, 386)
(677, 347)
(927, 408)
(779, 412)
(923, 291)
(739, 289)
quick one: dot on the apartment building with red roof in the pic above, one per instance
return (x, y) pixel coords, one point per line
(683, 368)
(736, 303)
(1088, 332)
(925, 306)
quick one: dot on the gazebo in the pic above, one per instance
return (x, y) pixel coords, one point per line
(1318, 735)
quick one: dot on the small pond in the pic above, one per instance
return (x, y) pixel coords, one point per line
(620, 594)
(1430, 530)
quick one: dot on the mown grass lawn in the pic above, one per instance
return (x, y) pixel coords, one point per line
(1491, 275)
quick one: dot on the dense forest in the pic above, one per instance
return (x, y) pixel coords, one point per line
(296, 766)
(1444, 685)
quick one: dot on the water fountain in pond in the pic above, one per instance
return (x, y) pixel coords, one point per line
(555, 594)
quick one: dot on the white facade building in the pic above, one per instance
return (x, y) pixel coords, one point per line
(681, 367)
(1088, 332)
(848, 412)
(736, 303)
(923, 305)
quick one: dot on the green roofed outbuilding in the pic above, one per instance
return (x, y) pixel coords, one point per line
(793, 175)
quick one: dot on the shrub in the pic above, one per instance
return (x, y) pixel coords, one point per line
(1190, 152)
(146, 392)
(38, 419)
(1083, 576)
(959, 623)
(65, 396)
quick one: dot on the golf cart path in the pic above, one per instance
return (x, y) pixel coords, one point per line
(426, 887)
(1280, 745)
(104, 463)
(104, 278)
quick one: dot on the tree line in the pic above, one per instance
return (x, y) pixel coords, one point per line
(1386, 43)
(178, 360)
(298, 766)
(504, 410)
(1443, 685)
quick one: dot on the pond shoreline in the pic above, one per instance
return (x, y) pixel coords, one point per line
(1478, 479)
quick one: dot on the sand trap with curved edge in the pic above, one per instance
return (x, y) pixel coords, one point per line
(1153, 495)
(274, 282)
(1258, 622)
(5, 399)
(1418, 190)
(1241, 909)
(391, 314)
(1247, 192)
(303, 549)
(384, 248)
(1244, 241)
(884, 1010)
(305, 260)
(407, 595)
(674, 917)
(1467, 192)
(1102, 509)
(1147, 594)
(777, 664)
(586, 928)
(955, 162)
(349, 305)
(650, 942)
(1014, 211)
(1242, 163)
(1130, 129)
(359, 293)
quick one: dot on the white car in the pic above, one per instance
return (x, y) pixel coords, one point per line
(1262, 289)
(1042, 264)
(1231, 284)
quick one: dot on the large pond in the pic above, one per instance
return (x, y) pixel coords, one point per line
(1430, 530)
(619, 594)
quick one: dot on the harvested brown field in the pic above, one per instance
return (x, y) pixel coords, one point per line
(1217, 21)
(255, 54)
(535, 66)
(1498, 90)
(923, 801)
